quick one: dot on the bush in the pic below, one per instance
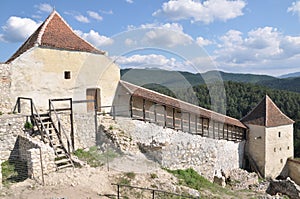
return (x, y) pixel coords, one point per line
(28, 125)
(13, 171)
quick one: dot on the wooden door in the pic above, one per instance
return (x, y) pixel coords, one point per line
(93, 94)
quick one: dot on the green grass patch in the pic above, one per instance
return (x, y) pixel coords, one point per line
(13, 171)
(130, 175)
(95, 158)
(192, 179)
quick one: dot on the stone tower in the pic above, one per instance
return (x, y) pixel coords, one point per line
(270, 138)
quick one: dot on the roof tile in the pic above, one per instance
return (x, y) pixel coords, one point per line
(54, 32)
(267, 114)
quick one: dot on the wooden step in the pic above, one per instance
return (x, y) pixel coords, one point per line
(65, 166)
(61, 155)
(64, 160)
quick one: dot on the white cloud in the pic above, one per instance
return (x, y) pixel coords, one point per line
(129, 1)
(152, 61)
(95, 38)
(82, 19)
(18, 29)
(206, 12)
(260, 45)
(169, 34)
(44, 7)
(260, 50)
(95, 15)
(294, 8)
(130, 42)
(203, 42)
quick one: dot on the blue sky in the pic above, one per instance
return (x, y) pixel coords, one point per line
(252, 36)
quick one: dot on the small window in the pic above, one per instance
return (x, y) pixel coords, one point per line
(67, 74)
(280, 149)
(281, 161)
(279, 134)
(288, 148)
(274, 149)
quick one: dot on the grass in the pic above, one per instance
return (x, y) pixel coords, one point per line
(153, 175)
(130, 175)
(192, 179)
(13, 171)
(93, 157)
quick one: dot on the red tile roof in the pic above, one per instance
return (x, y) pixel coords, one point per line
(175, 103)
(267, 114)
(55, 33)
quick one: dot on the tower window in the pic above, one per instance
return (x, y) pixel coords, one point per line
(281, 161)
(288, 148)
(274, 149)
(279, 134)
(67, 74)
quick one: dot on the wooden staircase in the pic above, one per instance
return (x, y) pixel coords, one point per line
(49, 134)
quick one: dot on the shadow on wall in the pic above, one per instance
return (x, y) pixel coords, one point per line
(104, 142)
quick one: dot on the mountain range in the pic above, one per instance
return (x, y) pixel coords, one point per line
(175, 79)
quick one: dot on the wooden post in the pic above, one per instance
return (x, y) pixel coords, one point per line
(213, 126)
(144, 112)
(72, 125)
(227, 132)
(207, 127)
(223, 131)
(189, 122)
(181, 121)
(155, 114)
(19, 105)
(174, 118)
(218, 130)
(131, 108)
(165, 115)
(196, 123)
(202, 126)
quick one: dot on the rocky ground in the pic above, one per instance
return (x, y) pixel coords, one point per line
(88, 182)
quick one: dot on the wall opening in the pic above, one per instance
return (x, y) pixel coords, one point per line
(67, 74)
(279, 134)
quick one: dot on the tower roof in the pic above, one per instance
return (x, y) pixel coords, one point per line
(54, 32)
(267, 114)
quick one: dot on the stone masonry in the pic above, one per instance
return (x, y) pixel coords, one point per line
(5, 83)
(176, 149)
(11, 126)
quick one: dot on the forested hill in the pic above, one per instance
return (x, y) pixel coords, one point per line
(174, 79)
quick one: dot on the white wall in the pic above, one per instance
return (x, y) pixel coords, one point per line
(39, 74)
(256, 145)
(278, 149)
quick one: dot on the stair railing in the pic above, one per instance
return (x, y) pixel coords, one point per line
(61, 130)
(35, 116)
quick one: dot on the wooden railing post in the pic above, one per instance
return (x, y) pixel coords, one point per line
(19, 105)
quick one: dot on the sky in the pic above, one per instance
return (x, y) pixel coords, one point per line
(239, 36)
